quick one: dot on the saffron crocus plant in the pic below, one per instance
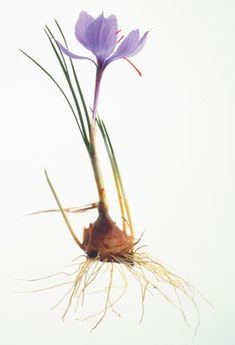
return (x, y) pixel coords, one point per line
(107, 247)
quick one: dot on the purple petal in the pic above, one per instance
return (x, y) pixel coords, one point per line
(83, 22)
(101, 36)
(140, 44)
(127, 45)
(72, 55)
(112, 21)
(130, 46)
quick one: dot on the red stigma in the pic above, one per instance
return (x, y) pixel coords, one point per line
(131, 63)
(120, 39)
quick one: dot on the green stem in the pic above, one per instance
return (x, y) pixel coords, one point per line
(117, 178)
(93, 151)
(96, 168)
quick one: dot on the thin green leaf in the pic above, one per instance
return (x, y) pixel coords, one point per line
(76, 79)
(60, 52)
(62, 210)
(56, 83)
(67, 76)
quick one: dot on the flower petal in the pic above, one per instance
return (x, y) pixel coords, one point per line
(83, 22)
(130, 46)
(112, 21)
(140, 44)
(72, 55)
(101, 36)
(127, 45)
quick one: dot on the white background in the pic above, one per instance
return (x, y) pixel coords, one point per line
(173, 130)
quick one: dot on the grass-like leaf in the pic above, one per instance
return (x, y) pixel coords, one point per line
(66, 73)
(80, 113)
(62, 210)
(57, 84)
(76, 79)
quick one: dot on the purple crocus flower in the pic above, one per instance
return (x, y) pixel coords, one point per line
(100, 37)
